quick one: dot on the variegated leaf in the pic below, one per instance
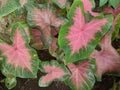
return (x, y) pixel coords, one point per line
(107, 60)
(55, 71)
(19, 58)
(79, 38)
(82, 77)
(44, 18)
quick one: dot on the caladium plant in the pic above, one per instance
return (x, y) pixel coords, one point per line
(78, 38)
(54, 71)
(107, 59)
(18, 57)
(82, 77)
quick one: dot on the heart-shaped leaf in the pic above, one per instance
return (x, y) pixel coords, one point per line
(79, 38)
(82, 77)
(107, 60)
(19, 58)
(54, 71)
(44, 18)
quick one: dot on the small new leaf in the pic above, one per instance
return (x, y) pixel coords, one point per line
(55, 71)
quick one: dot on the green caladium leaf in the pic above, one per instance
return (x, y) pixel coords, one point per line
(54, 71)
(82, 75)
(19, 58)
(103, 2)
(116, 27)
(8, 7)
(78, 38)
(60, 3)
(10, 82)
(114, 3)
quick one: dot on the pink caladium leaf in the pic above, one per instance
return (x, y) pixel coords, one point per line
(60, 3)
(19, 58)
(82, 77)
(36, 41)
(44, 18)
(110, 10)
(88, 6)
(107, 60)
(54, 71)
(78, 38)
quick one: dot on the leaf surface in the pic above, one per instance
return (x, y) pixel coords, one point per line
(88, 6)
(78, 38)
(54, 71)
(60, 3)
(19, 58)
(44, 18)
(82, 77)
(8, 7)
(107, 60)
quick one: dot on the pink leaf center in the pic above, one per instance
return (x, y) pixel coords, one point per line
(17, 54)
(81, 34)
(53, 73)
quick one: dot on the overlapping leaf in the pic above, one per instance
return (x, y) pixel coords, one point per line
(110, 10)
(36, 40)
(54, 71)
(88, 6)
(78, 38)
(44, 18)
(60, 3)
(107, 60)
(8, 7)
(82, 77)
(19, 58)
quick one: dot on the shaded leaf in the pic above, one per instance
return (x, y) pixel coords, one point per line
(78, 38)
(9, 7)
(107, 60)
(60, 3)
(54, 71)
(19, 58)
(10, 82)
(110, 10)
(103, 2)
(36, 40)
(44, 18)
(82, 77)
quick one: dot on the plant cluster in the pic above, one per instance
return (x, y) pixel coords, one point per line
(74, 32)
